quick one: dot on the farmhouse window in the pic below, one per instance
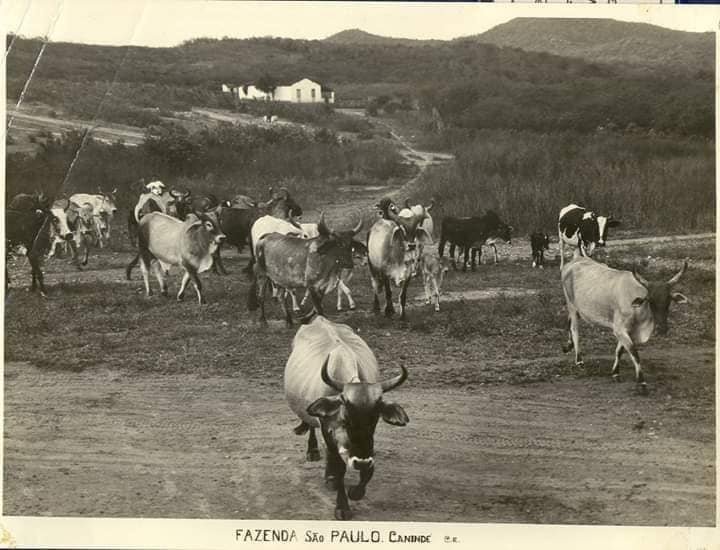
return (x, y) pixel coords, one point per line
(312, 94)
(298, 93)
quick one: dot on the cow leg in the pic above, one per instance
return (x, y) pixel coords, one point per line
(305, 298)
(451, 253)
(316, 298)
(313, 453)
(426, 285)
(335, 478)
(357, 492)
(619, 350)
(295, 306)
(375, 282)
(627, 343)
(574, 337)
(37, 274)
(437, 293)
(561, 245)
(403, 298)
(389, 308)
(495, 252)
(160, 279)
(86, 243)
(196, 282)
(144, 268)
(262, 292)
(466, 254)
(218, 266)
(473, 257)
(283, 306)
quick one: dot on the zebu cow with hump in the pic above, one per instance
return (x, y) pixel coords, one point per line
(103, 208)
(393, 255)
(583, 229)
(189, 244)
(32, 231)
(332, 382)
(622, 301)
(310, 231)
(294, 263)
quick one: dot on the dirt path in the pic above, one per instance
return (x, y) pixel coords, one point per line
(103, 132)
(575, 451)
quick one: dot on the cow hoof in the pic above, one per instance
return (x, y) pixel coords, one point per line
(642, 388)
(616, 378)
(342, 515)
(580, 363)
(313, 456)
(331, 483)
(340, 308)
(356, 492)
(542, 267)
(437, 308)
(389, 312)
(353, 307)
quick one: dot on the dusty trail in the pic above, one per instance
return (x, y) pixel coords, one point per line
(175, 446)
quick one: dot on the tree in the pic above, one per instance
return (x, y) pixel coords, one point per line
(266, 84)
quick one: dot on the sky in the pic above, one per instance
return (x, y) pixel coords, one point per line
(169, 22)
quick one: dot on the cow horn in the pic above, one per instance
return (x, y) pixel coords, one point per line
(639, 278)
(393, 383)
(113, 191)
(429, 207)
(674, 280)
(334, 384)
(358, 227)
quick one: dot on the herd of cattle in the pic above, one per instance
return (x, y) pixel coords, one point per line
(332, 377)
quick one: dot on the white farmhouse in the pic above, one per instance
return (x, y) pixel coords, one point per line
(302, 91)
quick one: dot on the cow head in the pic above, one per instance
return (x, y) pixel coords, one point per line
(359, 251)
(183, 203)
(385, 206)
(282, 205)
(59, 210)
(209, 221)
(337, 245)
(659, 296)
(349, 418)
(603, 223)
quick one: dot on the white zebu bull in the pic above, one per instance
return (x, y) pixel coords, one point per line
(189, 244)
(332, 382)
(619, 300)
(104, 210)
(393, 256)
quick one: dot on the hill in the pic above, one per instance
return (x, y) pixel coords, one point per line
(360, 37)
(610, 42)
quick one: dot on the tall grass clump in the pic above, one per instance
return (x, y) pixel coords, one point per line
(647, 182)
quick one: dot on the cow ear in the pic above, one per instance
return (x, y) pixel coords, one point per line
(679, 298)
(394, 414)
(637, 302)
(325, 407)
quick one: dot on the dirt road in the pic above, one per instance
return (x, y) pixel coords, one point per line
(573, 451)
